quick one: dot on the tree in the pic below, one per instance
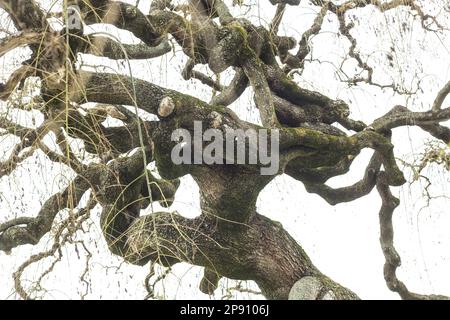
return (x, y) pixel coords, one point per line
(317, 138)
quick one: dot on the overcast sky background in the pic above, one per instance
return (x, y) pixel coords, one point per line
(342, 240)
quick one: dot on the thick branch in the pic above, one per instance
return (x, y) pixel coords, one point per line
(25, 14)
(103, 46)
(233, 91)
(350, 193)
(402, 116)
(123, 16)
(18, 40)
(262, 251)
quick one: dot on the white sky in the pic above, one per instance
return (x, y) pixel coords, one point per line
(343, 240)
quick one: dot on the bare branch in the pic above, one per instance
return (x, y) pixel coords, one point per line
(298, 60)
(429, 121)
(275, 24)
(34, 230)
(16, 78)
(233, 91)
(350, 193)
(25, 14)
(103, 46)
(389, 203)
(18, 40)
(443, 93)
(189, 72)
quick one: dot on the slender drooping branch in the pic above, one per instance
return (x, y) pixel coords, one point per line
(393, 261)
(31, 230)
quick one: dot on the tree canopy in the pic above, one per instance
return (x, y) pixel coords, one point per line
(318, 136)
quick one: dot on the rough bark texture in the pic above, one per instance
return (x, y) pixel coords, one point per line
(229, 238)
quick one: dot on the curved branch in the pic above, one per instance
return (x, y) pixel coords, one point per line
(389, 203)
(428, 121)
(189, 72)
(124, 16)
(18, 40)
(262, 251)
(14, 235)
(16, 78)
(443, 93)
(298, 60)
(25, 14)
(350, 193)
(335, 147)
(109, 48)
(233, 91)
